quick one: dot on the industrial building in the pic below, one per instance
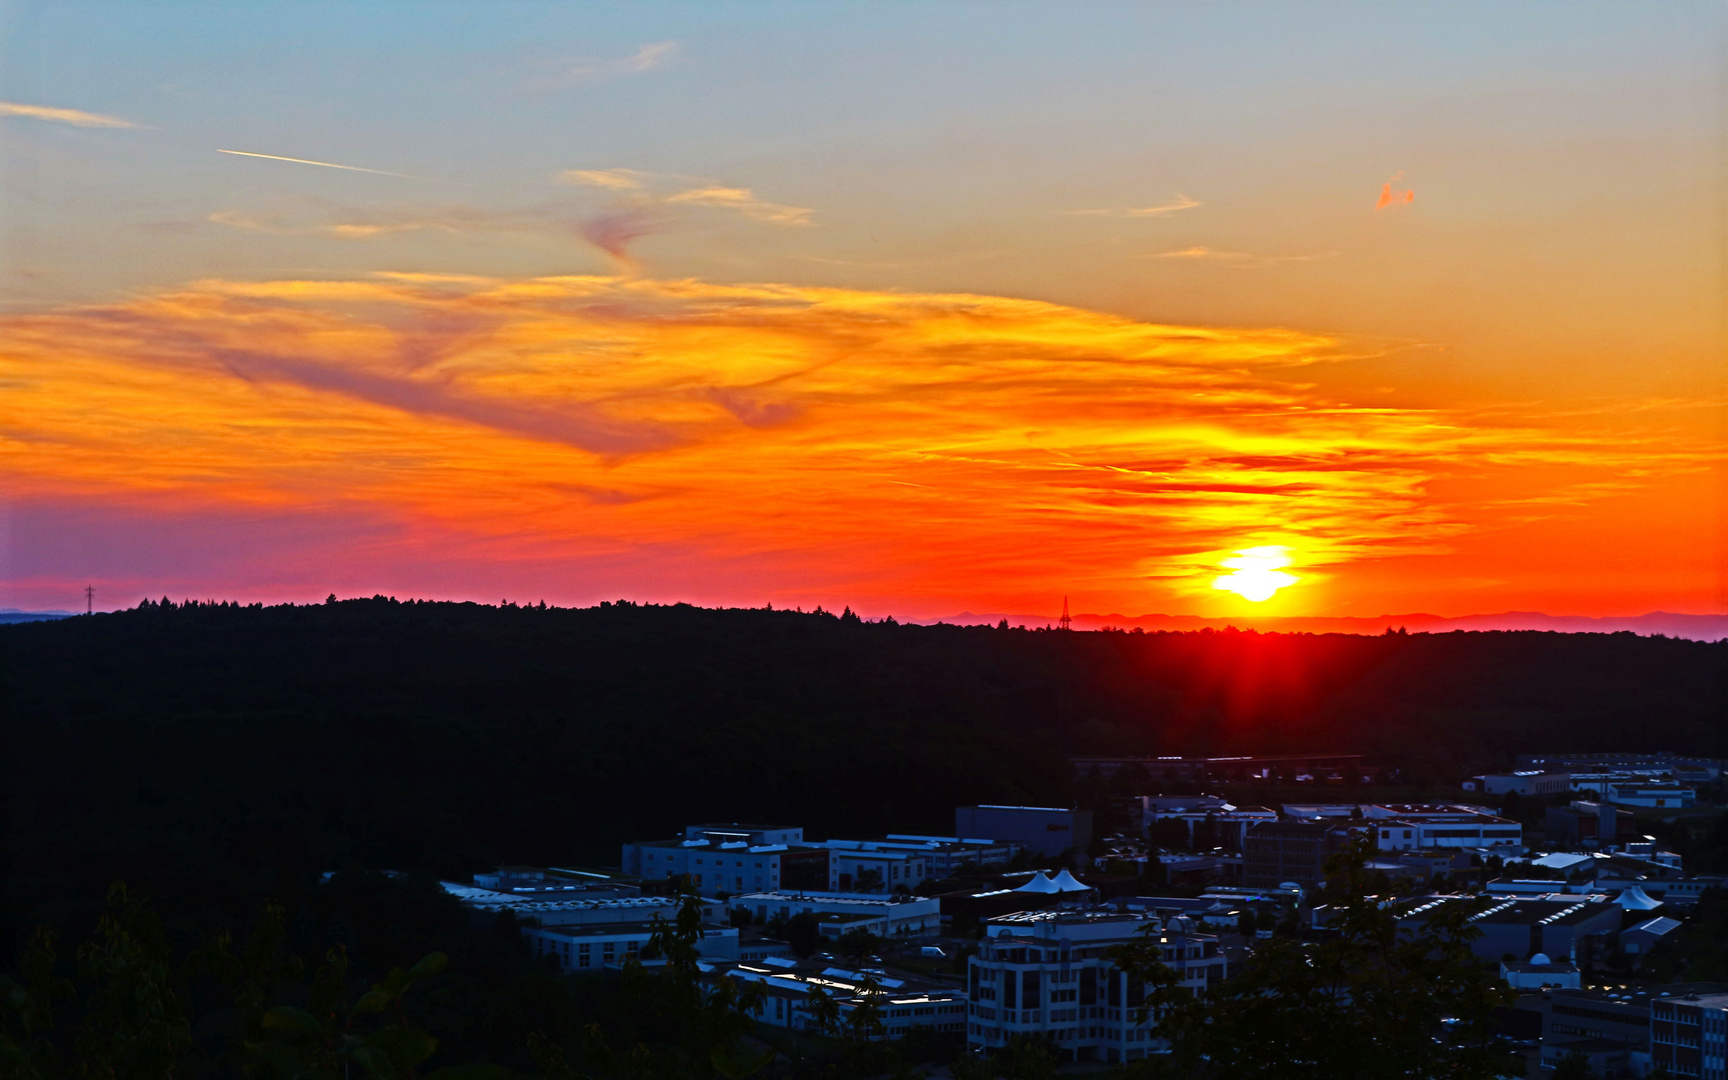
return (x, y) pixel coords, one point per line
(1046, 830)
(1522, 927)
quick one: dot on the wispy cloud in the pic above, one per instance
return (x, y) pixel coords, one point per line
(644, 201)
(320, 164)
(75, 117)
(1239, 259)
(646, 58)
(1176, 203)
(615, 179)
(745, 202)
(613, 232)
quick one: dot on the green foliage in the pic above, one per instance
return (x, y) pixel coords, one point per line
(335, 1036)
(1364, 1005)
(857, 943)
(803, 932)
(134, 1022)
(1573, 1066)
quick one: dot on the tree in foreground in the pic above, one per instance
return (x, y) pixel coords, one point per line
(1375, 1001)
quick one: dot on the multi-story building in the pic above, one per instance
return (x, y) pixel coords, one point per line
(732, 858)
(1609, 1026)
(1689, 1035)
(876, 865)
(1048, 974)
(950, 855)
(1279, 851)
(1422, 828)
(1047, 830)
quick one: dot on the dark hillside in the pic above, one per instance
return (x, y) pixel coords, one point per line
(228, 752)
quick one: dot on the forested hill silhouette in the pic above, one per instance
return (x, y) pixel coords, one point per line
(227, 747)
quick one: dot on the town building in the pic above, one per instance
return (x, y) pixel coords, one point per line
(1524, 782)
(1649, 794)
(875, 866)
(594, 947)
(1207, 821)
(1295, 851)
(1689, 1035)
(1540, 973)
(952, 855)
(540, 880)
(1611, 1027)
(836, 912)
(1301, 768)
(1322, 811)
(568, 910)
(1521, 927)
(1424, 827)
(1681, 767)
(1637, 941)
(732, 858)
(1046, 974)
(1046, 830)
(904, 1003)
(1587, 822)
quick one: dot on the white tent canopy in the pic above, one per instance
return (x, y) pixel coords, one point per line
(1040, 884)
(1636, 899)
(1066, 882)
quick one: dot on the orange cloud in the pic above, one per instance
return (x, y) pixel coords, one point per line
(1388, 197)
(928, 448)
(1239, 259)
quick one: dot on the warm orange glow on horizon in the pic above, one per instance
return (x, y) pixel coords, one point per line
(930, 451)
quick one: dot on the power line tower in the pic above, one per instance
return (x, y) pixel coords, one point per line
(1065, 622)
(89, 599)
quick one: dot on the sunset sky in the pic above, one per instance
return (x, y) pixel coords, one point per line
(915, 308)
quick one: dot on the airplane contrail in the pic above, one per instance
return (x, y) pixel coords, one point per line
(325, 164)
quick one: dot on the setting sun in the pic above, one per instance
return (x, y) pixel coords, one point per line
(1256, 573)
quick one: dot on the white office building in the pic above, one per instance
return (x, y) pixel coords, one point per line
(593, 948)
(731, 858)
(1398, 827)
(1045, 973)
(876, 865)
(884, 916)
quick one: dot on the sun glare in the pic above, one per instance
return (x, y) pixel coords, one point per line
(1256, 573)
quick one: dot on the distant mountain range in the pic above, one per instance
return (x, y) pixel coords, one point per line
(1671, 624)
(12, 615)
